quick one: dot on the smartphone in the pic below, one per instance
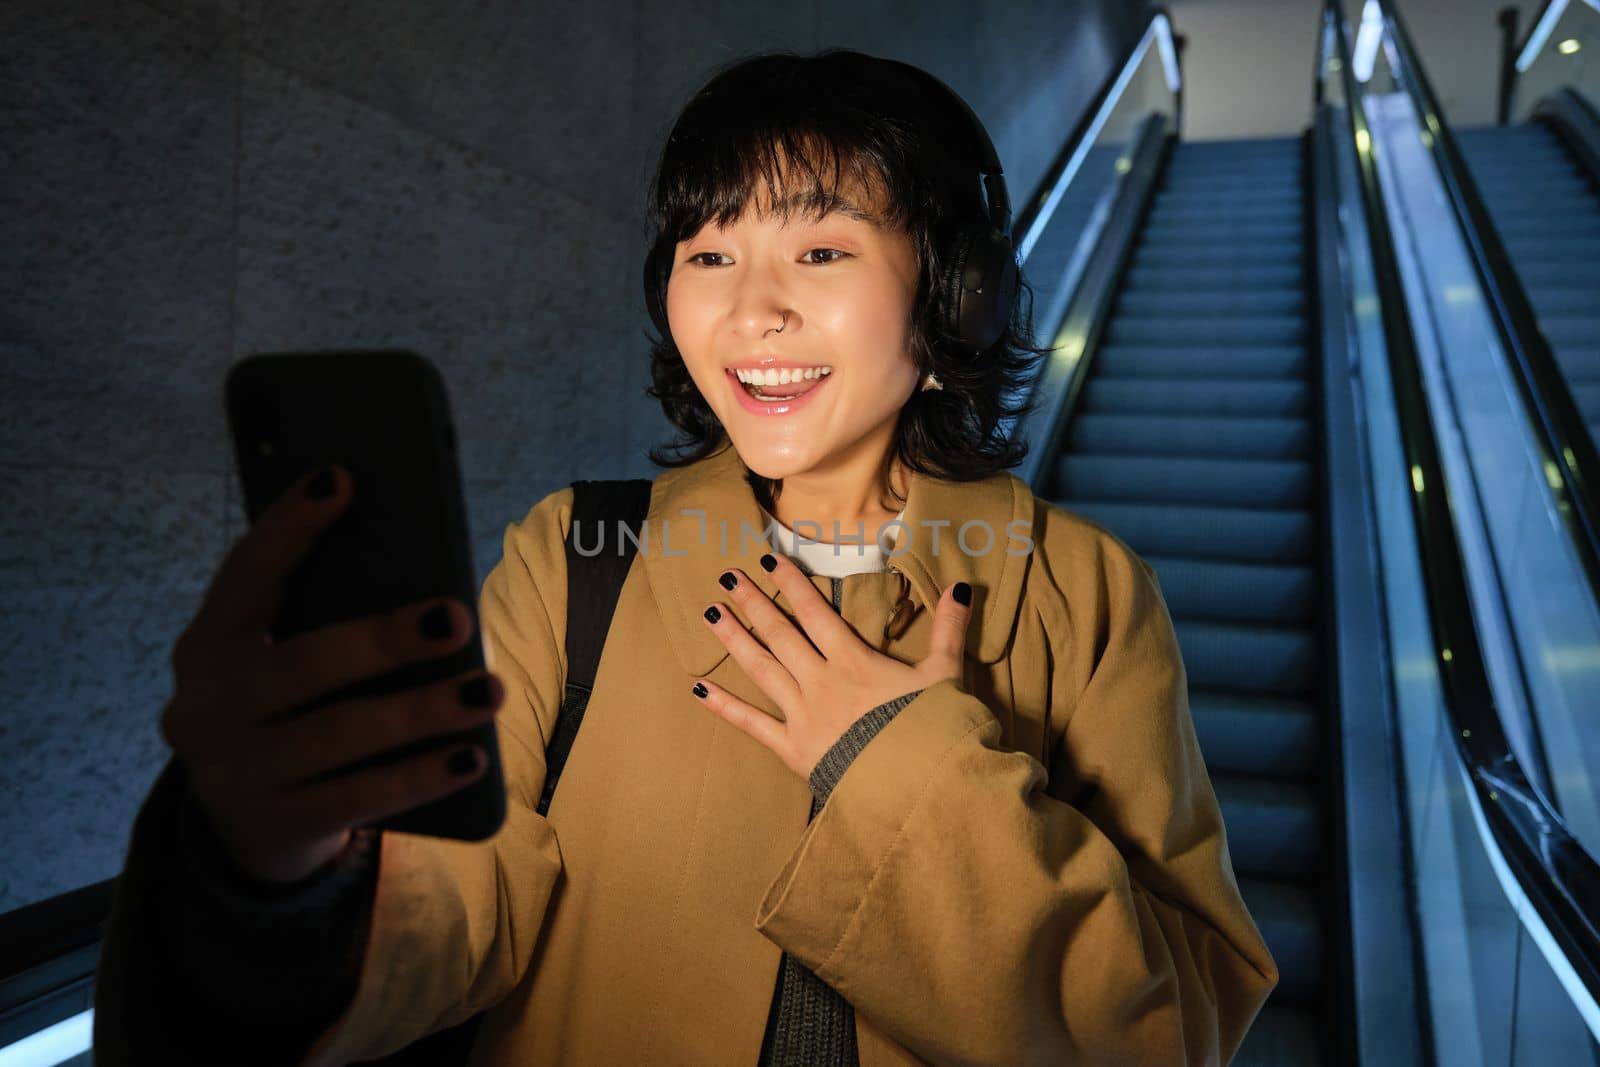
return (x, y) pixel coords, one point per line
(383, 415)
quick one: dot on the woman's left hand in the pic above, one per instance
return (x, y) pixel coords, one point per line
(822, 690)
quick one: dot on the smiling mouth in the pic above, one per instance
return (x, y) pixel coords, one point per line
(770, 391)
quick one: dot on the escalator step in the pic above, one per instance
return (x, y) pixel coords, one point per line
(1249, 659)
(1561, 300)
(1553, 249)
(1285, 301)
(1540, 274)
(1230, 278)
(1270, 484)
(1196, 177)
(1229, 201)
(1587, 398)
(1290, 922)
(1245, 535)
(1207, 330)
(1256, 255)
(1244, 734)
(1263, 361)
(1212, 590)
(1580, 365)
(1515, 208)
(1538, 226)
(1192, 437)
(1571, 332)
(1497, 175)
(1177, 396)
(1213, 231)
(1274, 828)
(1277, 212)
(1193, 174)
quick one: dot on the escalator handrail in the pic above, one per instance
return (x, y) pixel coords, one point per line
(1156, 29)
(1560, 881)
(1568, 457)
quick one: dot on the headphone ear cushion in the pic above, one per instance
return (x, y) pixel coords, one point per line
(981, 286)
(990, 314)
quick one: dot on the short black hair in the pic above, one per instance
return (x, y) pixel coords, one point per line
(825, 114)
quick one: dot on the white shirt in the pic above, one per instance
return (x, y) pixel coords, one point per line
(835, 560)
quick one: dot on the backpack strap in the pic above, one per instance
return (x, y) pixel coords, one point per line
(594, 583)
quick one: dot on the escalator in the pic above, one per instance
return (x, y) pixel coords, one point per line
(1194, 441)
(1547, 209)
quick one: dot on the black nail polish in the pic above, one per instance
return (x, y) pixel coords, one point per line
(463, 763)
(769, 563)
(728, 581)
(712, 614)
(435, 623)
(700, 690)
(963, 594)
(321, 487)
(476, 692)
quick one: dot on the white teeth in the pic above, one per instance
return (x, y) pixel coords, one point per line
(783, 377)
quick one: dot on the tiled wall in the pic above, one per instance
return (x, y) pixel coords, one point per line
(189, 181)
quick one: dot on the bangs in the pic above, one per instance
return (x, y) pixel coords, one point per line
(785, 135)
(774, 170)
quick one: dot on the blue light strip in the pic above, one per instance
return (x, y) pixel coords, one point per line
(1161, 31)
(1541, 33)
(1364, 56)
(53, 1045)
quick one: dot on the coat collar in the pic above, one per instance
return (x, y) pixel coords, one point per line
(697, 514)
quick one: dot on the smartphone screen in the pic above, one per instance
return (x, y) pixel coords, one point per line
(385, 417)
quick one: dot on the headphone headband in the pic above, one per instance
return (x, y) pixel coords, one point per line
(994, 184)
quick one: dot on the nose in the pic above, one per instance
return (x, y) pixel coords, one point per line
(761, 307)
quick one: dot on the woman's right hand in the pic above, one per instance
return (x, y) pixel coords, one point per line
(249, 766)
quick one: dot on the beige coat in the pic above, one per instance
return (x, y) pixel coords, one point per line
(1027, 867)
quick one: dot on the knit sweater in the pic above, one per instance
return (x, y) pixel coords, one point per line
(310, 936)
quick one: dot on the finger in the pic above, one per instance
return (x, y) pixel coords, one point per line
(312, 664)
(248, 590)
(775, 629)
(951, 619)
(364, 797)
(823, 626)
(749, 719)
(353, 730)
(760, 665)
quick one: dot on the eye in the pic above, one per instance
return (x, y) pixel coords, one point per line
(695, 259)
(838, 255)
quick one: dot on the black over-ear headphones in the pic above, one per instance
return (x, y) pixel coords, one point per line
(979, 282)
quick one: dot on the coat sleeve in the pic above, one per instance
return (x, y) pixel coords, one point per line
(982, 910)
(452, 924)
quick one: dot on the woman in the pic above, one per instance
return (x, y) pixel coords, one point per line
(922, 788)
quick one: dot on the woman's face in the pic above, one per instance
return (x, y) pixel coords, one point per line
(841, 289)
